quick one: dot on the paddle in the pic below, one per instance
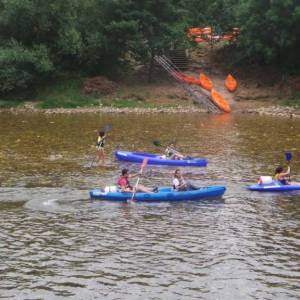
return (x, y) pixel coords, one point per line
(158, 144)
(105, 129)
(145, 161)
(288, 158)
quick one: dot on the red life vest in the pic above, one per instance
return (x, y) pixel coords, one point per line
(123, 182)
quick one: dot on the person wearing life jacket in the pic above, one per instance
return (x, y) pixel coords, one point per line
(281, 176)
(100, 146)
(125, 186)
(179, 184)
(172, 153)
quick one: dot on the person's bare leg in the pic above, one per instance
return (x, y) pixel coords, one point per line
(98, 157)
(294, 183)
(143, 189)
(102, 156)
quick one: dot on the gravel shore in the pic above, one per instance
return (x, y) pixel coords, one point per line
(278, 111)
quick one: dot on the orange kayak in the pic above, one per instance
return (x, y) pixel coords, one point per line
(219, 100)
(230, 83)
(205, 82)
(199, 40)
(189, 79)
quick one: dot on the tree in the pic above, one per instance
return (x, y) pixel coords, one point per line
(270, 32)
(141, 28)
(37, 39)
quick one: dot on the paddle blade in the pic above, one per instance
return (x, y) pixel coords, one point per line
(288, 156)
(107, 128)
(157, 143)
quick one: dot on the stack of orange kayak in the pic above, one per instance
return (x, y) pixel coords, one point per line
(230, 83)
(187, 79)
(205, 82)
(220, 101)
(195, 31)
(199, 39)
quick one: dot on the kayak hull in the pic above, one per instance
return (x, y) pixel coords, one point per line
(274, 186)
(154, 159)
(219, 100)
(230, 83)
(163, 194)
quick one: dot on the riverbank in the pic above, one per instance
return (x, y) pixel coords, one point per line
(260, 91)
(249, 107)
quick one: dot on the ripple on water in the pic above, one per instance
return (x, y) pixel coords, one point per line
(56, 243)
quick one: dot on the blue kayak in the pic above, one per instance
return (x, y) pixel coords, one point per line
(274, 186)
(154, 159)
(163, 194)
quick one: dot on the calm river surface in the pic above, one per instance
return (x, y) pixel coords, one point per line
(57, 244)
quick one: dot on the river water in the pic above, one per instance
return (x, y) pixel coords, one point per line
(57, 244)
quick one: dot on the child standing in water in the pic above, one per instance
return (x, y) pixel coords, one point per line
(100, 147)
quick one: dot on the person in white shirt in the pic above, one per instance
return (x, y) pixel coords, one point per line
(172, 153)
(179, 184)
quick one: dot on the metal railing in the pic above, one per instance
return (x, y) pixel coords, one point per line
(196, 93)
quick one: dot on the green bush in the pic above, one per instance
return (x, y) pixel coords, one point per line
(64, 94)
(294, 100)
(20, 66)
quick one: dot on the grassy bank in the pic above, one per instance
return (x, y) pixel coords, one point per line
(67, 93)
(294, 100)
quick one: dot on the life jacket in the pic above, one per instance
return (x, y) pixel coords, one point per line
(170, 152)
(100, 142)
(123, 182)
(282, 181)
(181, 181)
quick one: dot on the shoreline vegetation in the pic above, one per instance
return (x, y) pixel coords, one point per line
(134, 95)
(260, 91)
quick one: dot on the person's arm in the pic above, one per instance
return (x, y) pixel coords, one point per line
(123, 188)
(287, 173)
(177, 153)
(131, 175)
(283, 175)
(182, 182)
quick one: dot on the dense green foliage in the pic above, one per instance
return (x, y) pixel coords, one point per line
(270, 32)
(40, 40)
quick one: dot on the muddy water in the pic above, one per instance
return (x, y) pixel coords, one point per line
(56, 244)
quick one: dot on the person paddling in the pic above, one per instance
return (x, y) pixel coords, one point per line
(284, 177)
(179, 184)
(100, 147)
(172, 153)
(125, 185)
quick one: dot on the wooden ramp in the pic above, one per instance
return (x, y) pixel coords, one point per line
(199, 95)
